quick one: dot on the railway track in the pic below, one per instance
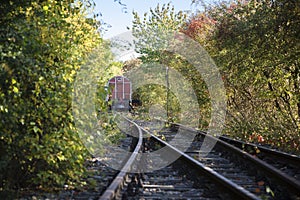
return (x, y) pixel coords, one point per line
(113, 191)
(226, 172)
(289, 164)
(184, 179)
(254, 174)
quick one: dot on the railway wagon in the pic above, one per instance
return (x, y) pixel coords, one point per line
(119, 93)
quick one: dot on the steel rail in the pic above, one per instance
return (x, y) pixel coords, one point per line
(289, 182)
(290, 158)
(114, 188)
(238, 191)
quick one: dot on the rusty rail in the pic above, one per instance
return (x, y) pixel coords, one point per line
(114, 188)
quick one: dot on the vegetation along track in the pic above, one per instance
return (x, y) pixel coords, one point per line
(245, 170)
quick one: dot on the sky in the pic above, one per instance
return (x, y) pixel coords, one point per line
(120, 17)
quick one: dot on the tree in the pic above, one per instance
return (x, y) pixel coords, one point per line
(153, 39)
(152, 33)
(256, 46)
(256, 43)
(43, 44)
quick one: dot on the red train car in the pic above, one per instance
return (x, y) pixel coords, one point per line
(119, 96)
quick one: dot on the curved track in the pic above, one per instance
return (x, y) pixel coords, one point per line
(226, 172)
(114, 189)
(248, 171)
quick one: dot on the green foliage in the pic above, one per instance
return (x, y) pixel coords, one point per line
(155, 97)
(153, 32)
(153, 38)
(257, 46)
(43, 44)
(96, 128)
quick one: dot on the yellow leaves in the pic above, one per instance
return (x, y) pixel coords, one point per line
(22, 121)
(79, 32)
(36, 129)
(13, 81)
(3, 109)
(73, 72)
(15, 89)
(68, 20)
(104, 125)
(60, 156)
(45, 8)
(268, 190)
(53, 41)
(79, 157)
